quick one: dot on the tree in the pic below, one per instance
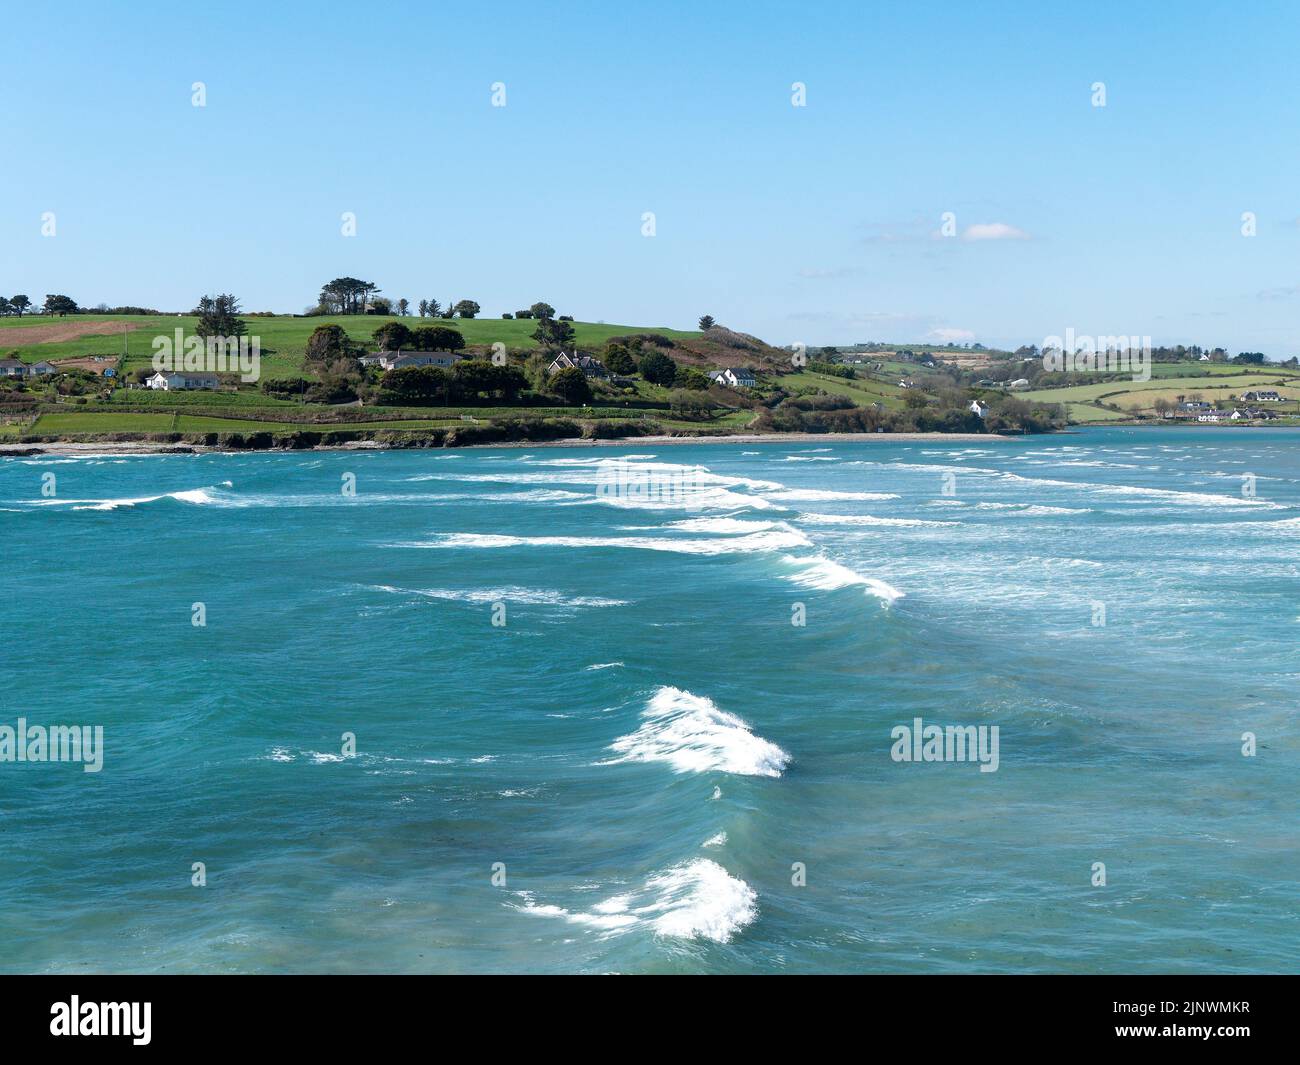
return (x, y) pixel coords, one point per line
(541, 310)
(914, 400)
(570, 385)
(551, 334)
(424, 308)
(448, 312)
(467, 308)
(380, 305)
(20, 303)
(437, 338)
(706, 322)
(404, 307)
(658, 368)
(5, 306)
(393, 337)
(617, 360)
(219, 317)
(523, 314)
(435, 308)
(60, 305)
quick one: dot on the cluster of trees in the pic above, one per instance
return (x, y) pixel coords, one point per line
(346, 295)
(629, 355)
(838, 414)
(395, 336)
(14, 305)
(470, 380)
(434, 309)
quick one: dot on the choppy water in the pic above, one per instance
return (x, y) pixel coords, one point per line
(646, 743)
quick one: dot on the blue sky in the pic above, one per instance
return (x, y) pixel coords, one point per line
(813, 224)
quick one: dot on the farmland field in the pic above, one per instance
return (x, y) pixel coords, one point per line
(1172, 386)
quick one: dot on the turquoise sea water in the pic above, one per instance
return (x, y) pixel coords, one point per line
(644, 746)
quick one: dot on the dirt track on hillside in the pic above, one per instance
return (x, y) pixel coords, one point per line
(20, 336)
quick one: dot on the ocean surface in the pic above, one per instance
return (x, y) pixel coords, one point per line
(632, 709)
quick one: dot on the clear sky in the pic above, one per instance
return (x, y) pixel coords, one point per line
(815, 224)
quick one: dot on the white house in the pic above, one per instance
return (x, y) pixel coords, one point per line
(734, 377)
(1260, 397)
(1205, 358)
(1020, 382)
(979, 408)
(399, 360)
(1213, 416)
(40, 369)
(176, 381)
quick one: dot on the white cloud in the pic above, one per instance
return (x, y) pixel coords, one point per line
(993, 231)
(950, 336)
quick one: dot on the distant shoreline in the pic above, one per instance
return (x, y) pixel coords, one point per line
(146, 447)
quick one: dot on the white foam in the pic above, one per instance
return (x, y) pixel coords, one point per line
(690, 733)
(868, 519)
(824, 574)
(726, 526)
(533, 596)
(822, 495)
(776, 540)
(1192, 499)
(697, 899)
(1032, 510)
(196, 496)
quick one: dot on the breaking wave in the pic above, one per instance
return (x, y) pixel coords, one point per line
(690, 733)
(694, 900)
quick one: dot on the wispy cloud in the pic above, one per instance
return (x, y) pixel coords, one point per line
(1285, 292)
(993, 231)
(828, 274)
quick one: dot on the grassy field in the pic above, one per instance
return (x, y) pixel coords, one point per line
(284, 338)
(1169, 386)
(1211, 382)
(862, 390)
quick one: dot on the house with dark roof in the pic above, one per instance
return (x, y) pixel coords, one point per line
(734, 377)
(589, 366)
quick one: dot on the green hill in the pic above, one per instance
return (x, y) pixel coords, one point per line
(283, 338)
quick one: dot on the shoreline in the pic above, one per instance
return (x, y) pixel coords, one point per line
(147, 447)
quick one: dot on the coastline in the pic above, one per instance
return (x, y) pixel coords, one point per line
(146, 447)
